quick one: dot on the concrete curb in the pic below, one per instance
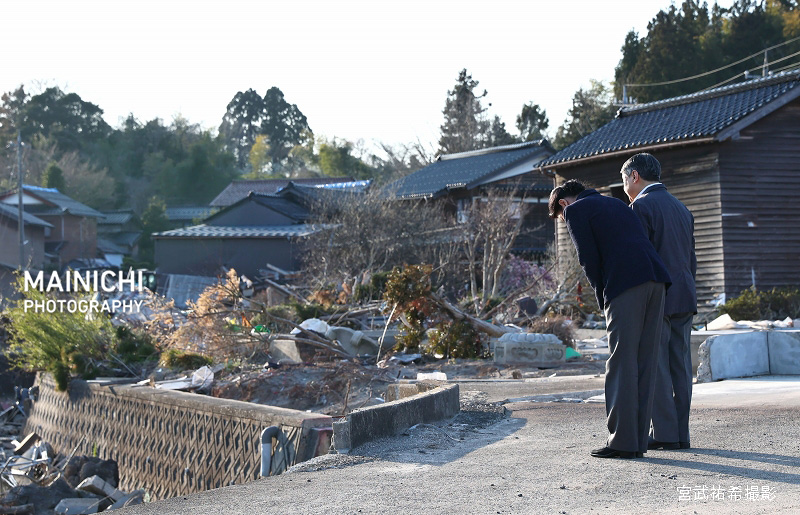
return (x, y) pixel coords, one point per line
(415, 404)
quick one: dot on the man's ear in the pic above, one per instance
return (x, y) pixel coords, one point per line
(635, 176)
(563, 203)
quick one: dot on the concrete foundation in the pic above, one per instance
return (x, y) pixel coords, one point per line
(362, 425)
(748, 354)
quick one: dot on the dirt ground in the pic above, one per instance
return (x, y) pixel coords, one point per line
(338, 387)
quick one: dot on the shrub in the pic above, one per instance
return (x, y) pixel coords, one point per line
(558, 325)
(174, 358)
(133, 346)
(59, 342)
(456, 339)
(409, 289)
(774, 304)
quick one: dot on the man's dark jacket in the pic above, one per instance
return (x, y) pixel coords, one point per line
(670, 227)
(612, 247)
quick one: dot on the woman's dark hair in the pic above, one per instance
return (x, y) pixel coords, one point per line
(571, 188)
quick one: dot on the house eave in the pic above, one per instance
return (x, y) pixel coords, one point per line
(626, 151)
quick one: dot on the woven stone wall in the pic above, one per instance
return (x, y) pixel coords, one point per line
(169, 443)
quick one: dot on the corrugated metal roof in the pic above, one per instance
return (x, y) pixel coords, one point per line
(680, 119)
(63, 202)
(12, 211)
(466, 168)
(225, 232)
(237, 190)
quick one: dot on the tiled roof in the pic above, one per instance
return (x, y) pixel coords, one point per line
(310, 195)
(127, 239)
(116, 217)
(11, 211)
(237, 190)
(685, 119)
(226, 232)
(283, 206)
(63, 202)
(187, 214)
(466, 169)
(109, 247)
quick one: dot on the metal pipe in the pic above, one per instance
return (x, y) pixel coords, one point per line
(266, 448)
(20, 209)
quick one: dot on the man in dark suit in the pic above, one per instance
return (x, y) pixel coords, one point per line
(629, 280)
(670, 228)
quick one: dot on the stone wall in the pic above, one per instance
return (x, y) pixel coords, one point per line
(171, 443)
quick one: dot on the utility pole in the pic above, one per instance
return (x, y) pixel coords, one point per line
(20, 211)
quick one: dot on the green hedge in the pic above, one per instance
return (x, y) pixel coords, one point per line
(774, 304)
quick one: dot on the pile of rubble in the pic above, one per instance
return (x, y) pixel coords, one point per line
(35, 480)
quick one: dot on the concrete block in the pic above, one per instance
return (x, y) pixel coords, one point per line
(135, 497)
(400, 391)
(285, 351)
(341, 436)
(784, 352)
(77, 506)
(353, 342)
(98, 486)
(529, 348)
(733, 355)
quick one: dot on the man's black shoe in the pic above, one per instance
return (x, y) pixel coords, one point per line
(608, 452)
(667, 446)
(685, 445)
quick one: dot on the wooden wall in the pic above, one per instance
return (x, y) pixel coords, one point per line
(760, 181)
(691, 173)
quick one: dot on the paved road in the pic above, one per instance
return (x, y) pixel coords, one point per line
(745, 459)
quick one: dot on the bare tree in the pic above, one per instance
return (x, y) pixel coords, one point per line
(492, 224)
(372, 232)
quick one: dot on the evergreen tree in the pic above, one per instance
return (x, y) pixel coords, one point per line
(691, 40)
(53, 177)
(284, 124)
(498, 135)
(591, 109)
(465, 126)
(241, 124)
(154, 219)
(532, 122)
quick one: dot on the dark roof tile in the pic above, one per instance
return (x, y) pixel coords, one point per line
(689, 117)
(226, 232)
(237, 190)
(464, 169)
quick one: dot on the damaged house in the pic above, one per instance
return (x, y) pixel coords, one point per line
(732, 156)
(466, 177)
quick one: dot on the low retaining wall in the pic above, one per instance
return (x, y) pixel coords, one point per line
(167, 442)
(755, 353)
(411, 408)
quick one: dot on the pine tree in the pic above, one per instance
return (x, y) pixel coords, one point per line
(465, 125)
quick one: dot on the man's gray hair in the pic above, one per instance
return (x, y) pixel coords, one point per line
(648, 166)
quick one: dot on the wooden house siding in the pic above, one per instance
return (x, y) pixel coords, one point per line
(759, 185)
(206, 256)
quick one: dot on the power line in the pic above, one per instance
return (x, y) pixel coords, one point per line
(718, 69)
(753, 69)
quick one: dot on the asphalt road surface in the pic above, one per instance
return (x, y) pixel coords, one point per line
(745, 458)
